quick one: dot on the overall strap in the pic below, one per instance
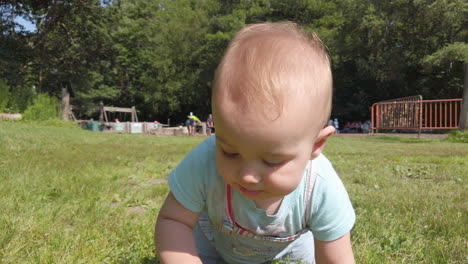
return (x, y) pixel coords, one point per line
(228, 206)
(309, 188)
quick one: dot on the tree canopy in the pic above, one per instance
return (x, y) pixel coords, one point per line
(160, 56)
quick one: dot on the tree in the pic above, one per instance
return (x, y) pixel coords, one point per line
(447, 62)
(4, 95)
(160, 56)
(382, 45)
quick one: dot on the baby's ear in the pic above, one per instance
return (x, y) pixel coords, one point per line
(321, 140)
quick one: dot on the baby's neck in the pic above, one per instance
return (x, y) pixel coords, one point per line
(271, 206)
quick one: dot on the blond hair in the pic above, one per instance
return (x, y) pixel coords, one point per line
(269, 62)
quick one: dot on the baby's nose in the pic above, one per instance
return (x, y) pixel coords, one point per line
(250, 175)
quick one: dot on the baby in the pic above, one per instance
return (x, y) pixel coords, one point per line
(260, 189)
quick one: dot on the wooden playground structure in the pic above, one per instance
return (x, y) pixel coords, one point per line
(109, 123)
(414, 113)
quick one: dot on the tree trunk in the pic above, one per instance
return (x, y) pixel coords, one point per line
(12, 18)
(463, 123)
(65, 104)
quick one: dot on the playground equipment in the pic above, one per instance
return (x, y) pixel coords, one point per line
(114, 123)
(67, 92)
(414, 113)
(105, 110)
(113, 119)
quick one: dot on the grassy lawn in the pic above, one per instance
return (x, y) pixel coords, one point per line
(73, 196)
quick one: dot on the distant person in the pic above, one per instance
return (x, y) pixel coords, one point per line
(209, 125)
(192, 122)
(366, 126)
(358, 126)
(261, 191)
(337, 125)
(347, 127)
(189, 123)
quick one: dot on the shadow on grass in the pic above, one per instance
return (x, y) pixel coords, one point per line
(144, 260)
(149, 260)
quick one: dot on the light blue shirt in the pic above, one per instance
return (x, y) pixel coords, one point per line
(197, 185)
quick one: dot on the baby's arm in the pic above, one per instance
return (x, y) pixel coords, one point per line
(336, 251)
(173, 236)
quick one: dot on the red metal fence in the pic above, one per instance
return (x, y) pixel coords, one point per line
(416, 114)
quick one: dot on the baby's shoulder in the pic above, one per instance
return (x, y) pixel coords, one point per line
(326, 179)
(323, 167)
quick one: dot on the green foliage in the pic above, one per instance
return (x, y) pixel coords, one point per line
(454, 52)
(44, 108)
(4, 95)
(20, 98)
(382, 48)
(160, 56)
(458, 136)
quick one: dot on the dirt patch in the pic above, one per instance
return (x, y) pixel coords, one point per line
(137, 209)
(157, 182)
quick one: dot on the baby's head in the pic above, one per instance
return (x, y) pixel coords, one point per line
(272, 98)
(273, 66)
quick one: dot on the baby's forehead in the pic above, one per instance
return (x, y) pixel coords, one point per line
(297, 111)
(292, 125)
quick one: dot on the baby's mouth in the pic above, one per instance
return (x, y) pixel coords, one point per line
(247, 192)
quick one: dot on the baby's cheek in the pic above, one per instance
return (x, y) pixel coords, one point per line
(225, 169)
(284, 182)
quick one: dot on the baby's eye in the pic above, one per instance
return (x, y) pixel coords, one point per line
(273, 164)
(229, 154)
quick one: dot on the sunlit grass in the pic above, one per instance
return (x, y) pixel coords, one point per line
(410, 199)
(74, 196)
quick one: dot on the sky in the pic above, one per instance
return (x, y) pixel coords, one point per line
(28, 25)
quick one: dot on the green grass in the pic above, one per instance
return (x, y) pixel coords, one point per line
(410, 198)
(74, 196)
(458, 136)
